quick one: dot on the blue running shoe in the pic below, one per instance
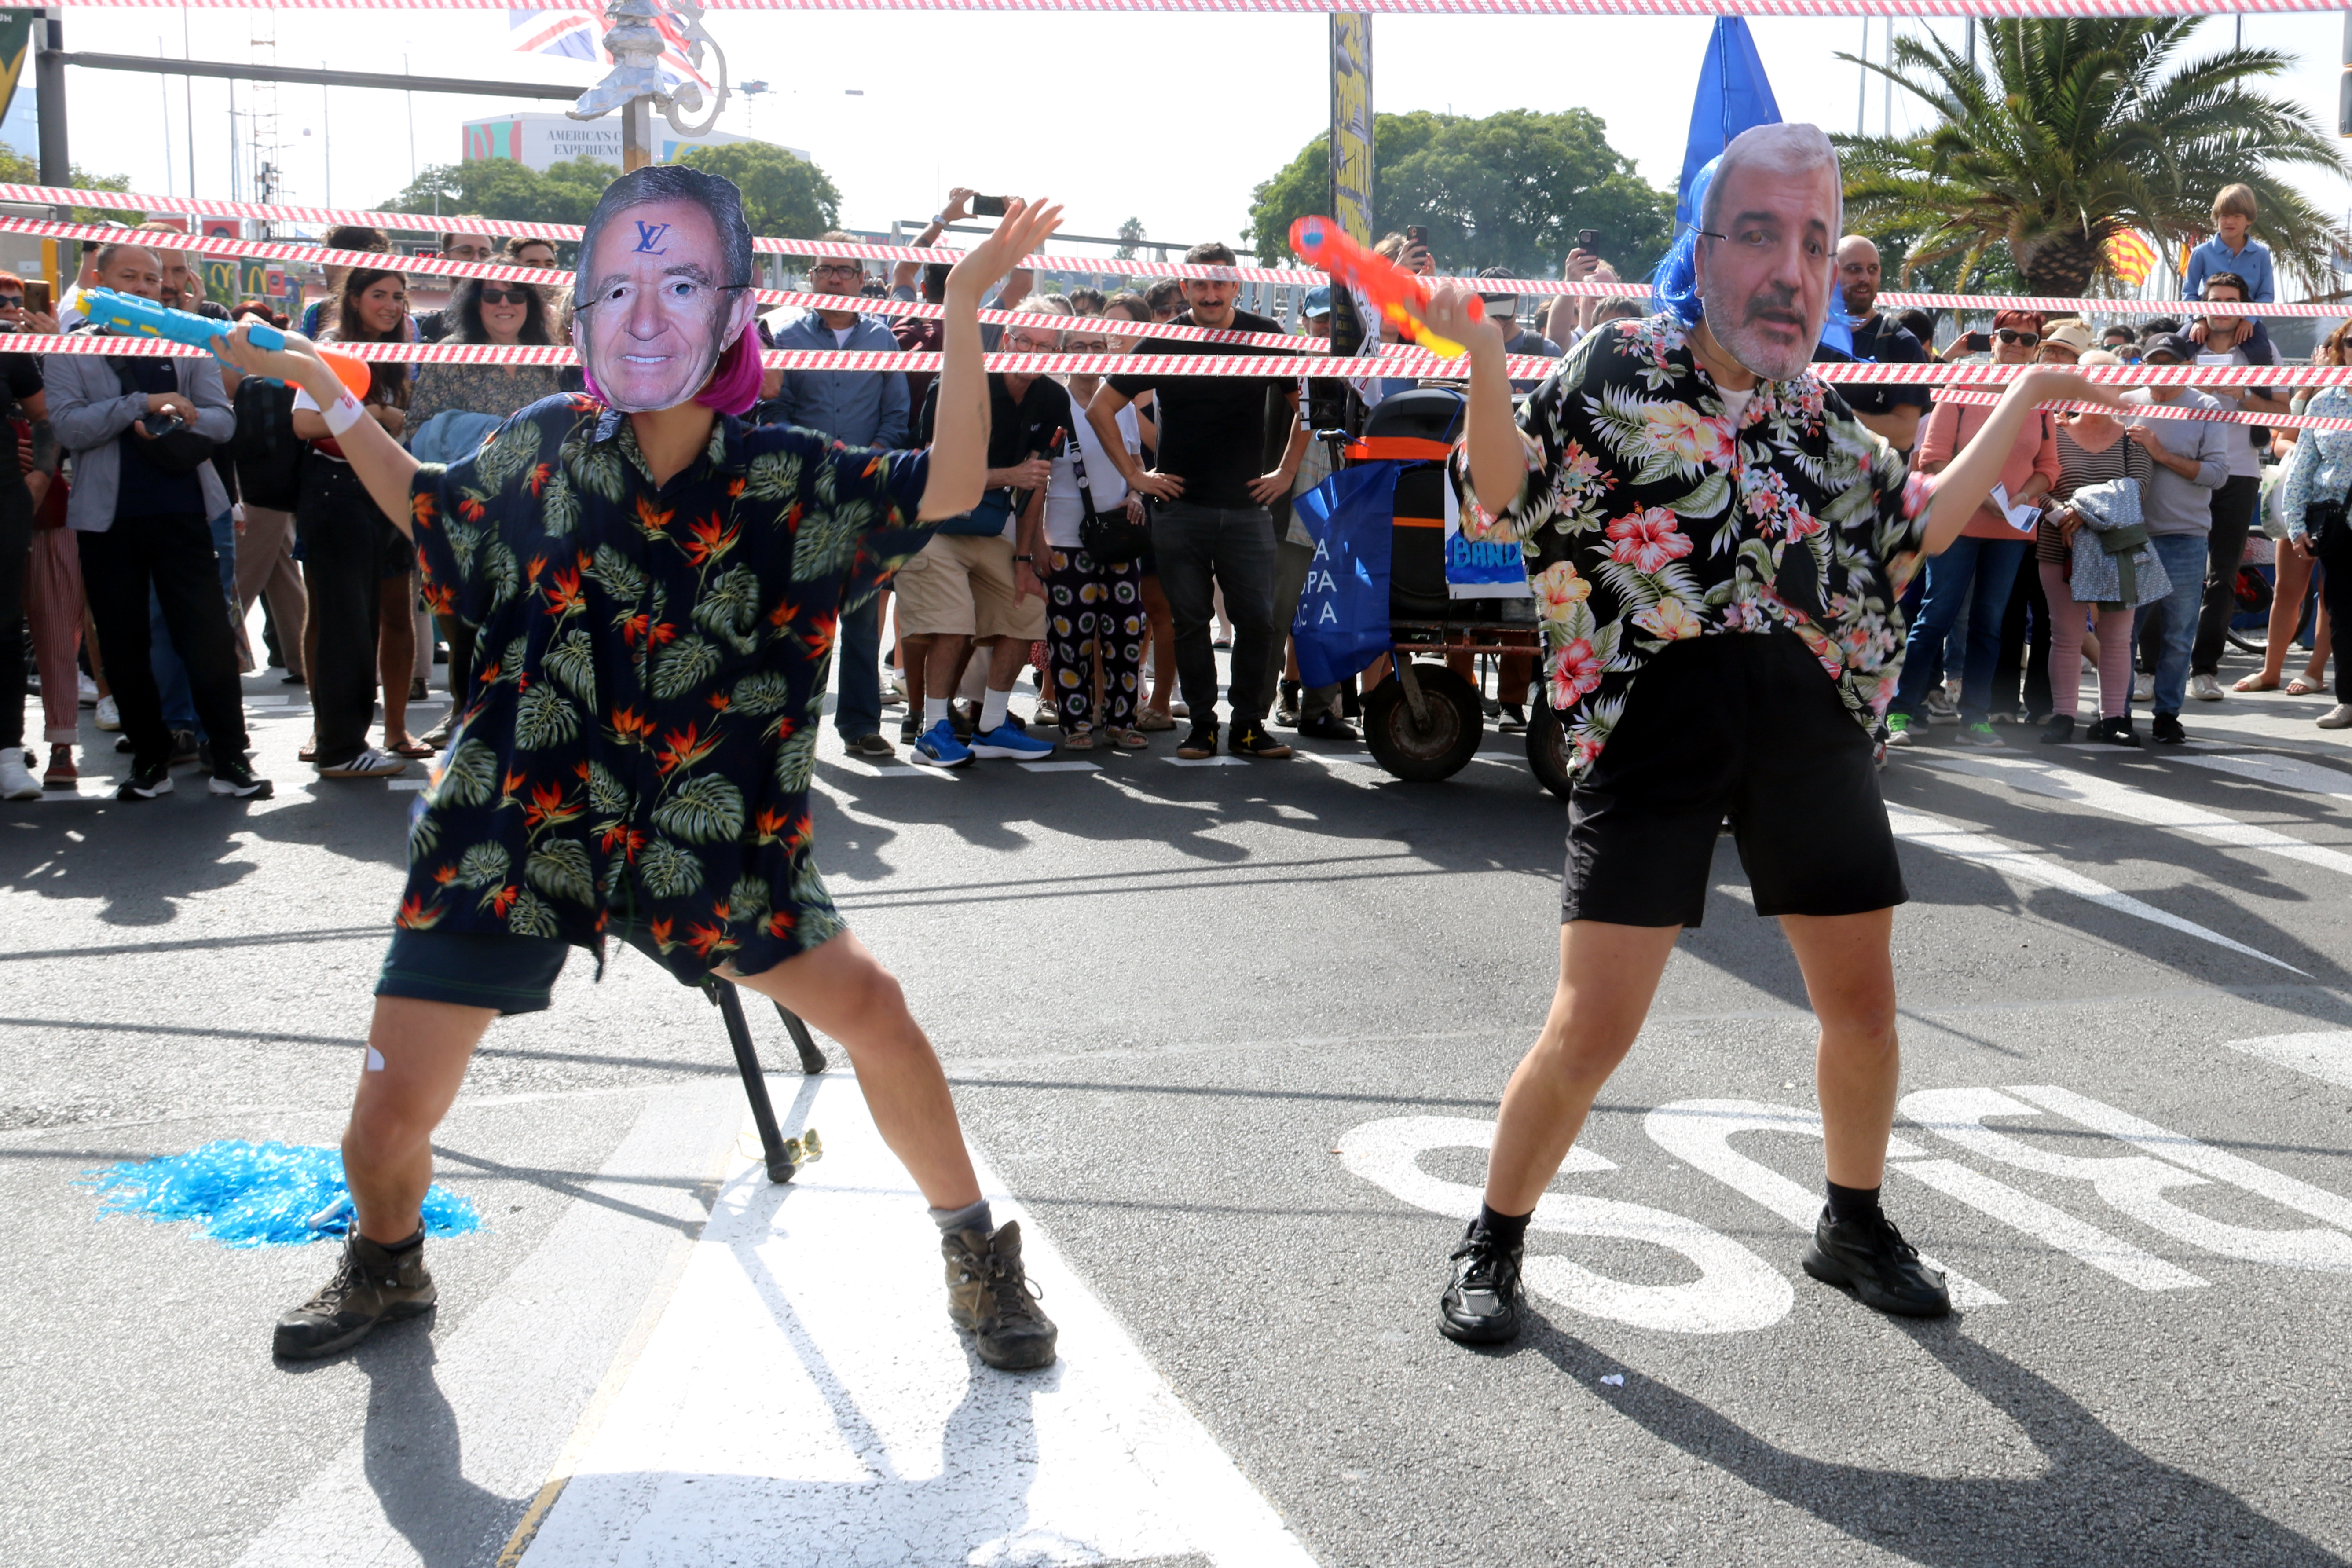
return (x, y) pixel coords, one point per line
(938, 748)
(1009, 740)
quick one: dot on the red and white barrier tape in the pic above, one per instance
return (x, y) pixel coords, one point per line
(2168, 410)
(1897, 8)
(120, 201)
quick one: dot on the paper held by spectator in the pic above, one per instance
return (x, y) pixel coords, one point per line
(2021, 518)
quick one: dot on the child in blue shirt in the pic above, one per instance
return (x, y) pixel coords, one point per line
(2232, 249)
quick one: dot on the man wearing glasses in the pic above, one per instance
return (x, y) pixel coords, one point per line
(459, 245)
(857, 408)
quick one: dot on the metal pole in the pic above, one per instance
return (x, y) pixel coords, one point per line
(412, 129)
(326, 140)
(780, 1164)
(188, 99)
(50, 84)
(164, 88)
(1861, 83)
(637, 134)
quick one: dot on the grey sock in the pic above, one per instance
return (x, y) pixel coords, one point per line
(974, 1218)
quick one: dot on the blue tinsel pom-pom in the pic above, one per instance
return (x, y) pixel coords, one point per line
(256, 1194)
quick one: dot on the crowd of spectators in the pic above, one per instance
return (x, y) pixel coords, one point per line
(1136, 526)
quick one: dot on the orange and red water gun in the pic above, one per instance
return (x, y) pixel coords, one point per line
(1401, 295)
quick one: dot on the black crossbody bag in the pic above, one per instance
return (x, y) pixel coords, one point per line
(2324, 523)
(1110, 540)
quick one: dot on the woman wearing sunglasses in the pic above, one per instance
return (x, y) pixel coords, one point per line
(485, 311)
(1988, 555)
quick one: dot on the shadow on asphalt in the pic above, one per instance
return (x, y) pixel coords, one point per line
(2099, 1503)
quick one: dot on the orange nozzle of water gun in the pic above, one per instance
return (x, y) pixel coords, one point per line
(1399, 295)
(352, 372)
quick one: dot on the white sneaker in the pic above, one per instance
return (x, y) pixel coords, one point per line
(2205, 688)
(16, 780)
(110, 717)
(369, 763)
(89, 689)
(2143, 688)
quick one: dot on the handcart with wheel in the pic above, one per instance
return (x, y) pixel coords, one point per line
(1425, 718)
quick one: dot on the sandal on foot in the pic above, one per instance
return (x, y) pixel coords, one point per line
(2302, 686)
(1079, 740)
(411, 747)
(2256, 683)
(1152, 719)
(1129, 741)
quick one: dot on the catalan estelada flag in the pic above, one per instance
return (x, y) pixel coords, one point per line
(2130, 259)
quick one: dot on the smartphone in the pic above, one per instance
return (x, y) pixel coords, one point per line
(1975, 342)
(37, 296)
(988, 207)
(1589, 240)
(1415, 234)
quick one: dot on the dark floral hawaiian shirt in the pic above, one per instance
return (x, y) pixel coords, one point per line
(639, 733)
(1646, 519)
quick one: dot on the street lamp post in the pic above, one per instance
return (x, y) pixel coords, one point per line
(634, 86)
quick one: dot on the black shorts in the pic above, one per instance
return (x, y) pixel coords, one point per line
(511, 973)
(1742, 727)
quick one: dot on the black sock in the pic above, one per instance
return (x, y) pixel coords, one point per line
(1852, 1203)
(1510, 1229)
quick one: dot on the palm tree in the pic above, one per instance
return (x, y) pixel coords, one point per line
(2075, 132)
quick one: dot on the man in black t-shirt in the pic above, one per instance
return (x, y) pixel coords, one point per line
(1214, 529)
(1894, 412)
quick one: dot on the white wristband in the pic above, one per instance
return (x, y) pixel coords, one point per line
(342, 413)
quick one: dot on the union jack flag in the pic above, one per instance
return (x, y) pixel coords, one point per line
(577, 32)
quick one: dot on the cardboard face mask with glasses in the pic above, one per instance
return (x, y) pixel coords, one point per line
(664, 287)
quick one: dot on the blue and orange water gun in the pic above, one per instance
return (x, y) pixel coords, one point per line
(134, 317)
(1401, 295)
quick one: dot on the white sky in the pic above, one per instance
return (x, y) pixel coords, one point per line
(1172, 118)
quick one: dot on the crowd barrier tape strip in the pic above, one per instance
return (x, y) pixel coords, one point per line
(1091, 266)
(1895, 8)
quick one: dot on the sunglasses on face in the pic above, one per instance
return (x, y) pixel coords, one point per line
(2011, 335)
(505, 296)
(12, 301)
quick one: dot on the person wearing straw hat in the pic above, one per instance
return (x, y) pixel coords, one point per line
(1718, 547)
(656, 586)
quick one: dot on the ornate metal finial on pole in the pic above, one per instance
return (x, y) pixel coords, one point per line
(634, 86)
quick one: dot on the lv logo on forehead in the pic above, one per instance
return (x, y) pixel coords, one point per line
(649, 237)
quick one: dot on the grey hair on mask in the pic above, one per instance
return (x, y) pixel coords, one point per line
(1783, 148)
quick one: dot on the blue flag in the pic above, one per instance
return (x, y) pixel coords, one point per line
(1343, 612)
(1733, 95)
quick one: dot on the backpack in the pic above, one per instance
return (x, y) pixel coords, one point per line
(268, 454)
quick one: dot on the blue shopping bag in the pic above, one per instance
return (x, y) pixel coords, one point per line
(1342, 623)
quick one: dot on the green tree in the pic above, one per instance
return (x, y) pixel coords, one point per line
(501, 188)
(784, 197)
(1510, 190)
(17, 169)
(1130, 235)
(2074, 132)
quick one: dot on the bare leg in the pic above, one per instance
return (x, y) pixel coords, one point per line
(943, 669)
(388, 1145)
(1849, 970)
(1006, 658)
(2294, 579)
(1607, 976)
(840, 989)
(1162, 622)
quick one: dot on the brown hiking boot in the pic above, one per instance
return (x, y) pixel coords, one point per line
(373, 1285)
(989, 1296)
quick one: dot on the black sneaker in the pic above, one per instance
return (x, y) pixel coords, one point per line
(910, 728)
(1870, 1258)
(1286, 703)
(1481, 1305)
(1201, 742)
(1250, 740)
(2166, 730)
(2059, 730)
(2112, 732)
(1328, 726)
(373, 1285)
(873, 746)
(989, 1298)
(147, 783)
(1515, 719)
(234, 776)
(184, 747)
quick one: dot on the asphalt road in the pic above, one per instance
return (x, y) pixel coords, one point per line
(1228, 1038)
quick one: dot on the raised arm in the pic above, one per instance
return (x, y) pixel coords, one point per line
(960, 437)
(1973, 471)
(1490, 430)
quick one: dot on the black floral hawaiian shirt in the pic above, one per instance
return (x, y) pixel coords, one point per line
(639, 733)
(1647, 518)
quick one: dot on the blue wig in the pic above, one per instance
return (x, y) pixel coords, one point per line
(1674, 286)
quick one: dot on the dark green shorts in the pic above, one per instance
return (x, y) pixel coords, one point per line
(485, 969)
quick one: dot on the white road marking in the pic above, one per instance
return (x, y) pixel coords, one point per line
(1698, 1132)
(2327, 1055)
(511, 1382)
(1934, 833)
(2131, 1184)
(2139, 805)
(2024, 1213)
(1072, 766)
(1736, 1291)
(1205, 763)
(397, 786)
(2202, 1158)
(804, 1399)
(2286, 772)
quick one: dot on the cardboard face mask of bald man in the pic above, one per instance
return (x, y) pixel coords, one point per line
(664, 286)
